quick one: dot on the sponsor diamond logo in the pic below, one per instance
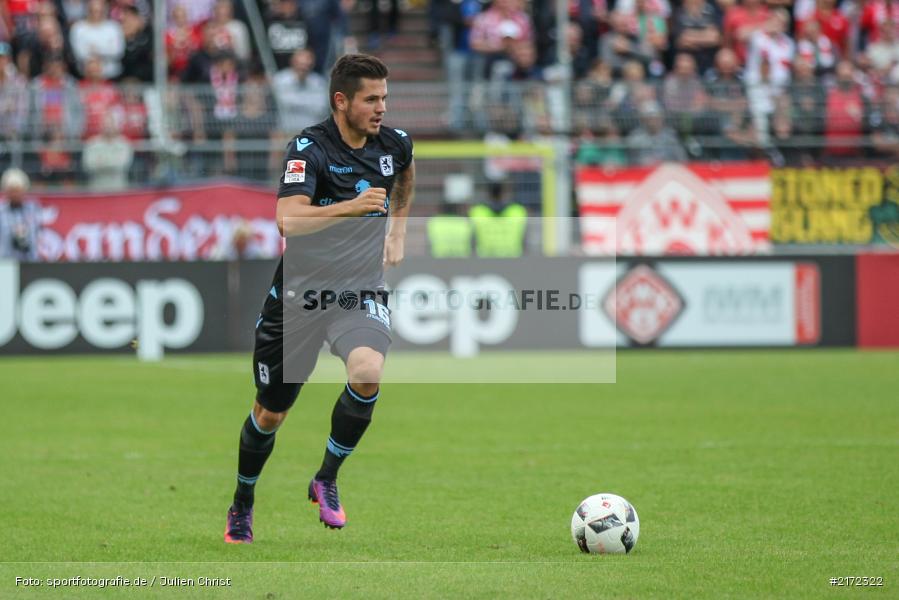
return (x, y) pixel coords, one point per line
(643, 304)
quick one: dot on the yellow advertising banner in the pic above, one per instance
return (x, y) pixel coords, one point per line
(853, 205)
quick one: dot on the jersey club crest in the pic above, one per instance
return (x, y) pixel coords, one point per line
(386, 162)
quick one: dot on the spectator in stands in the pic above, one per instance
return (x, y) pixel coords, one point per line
(761, 94)
(375, 27)
(510, 89)
(740, 22)
(782, 150)
(134, 111)
(808, 99)
(117, 8)
(72, 11)
(255, 122)
(802, 11)
(225, 80)
(56, 163)
(600, 144)
(490, 30)
(20, 19)
(182, 40)
(286, 29)
(239, 37)
(661, 8)
(98, 36)
(325, 20)
(629, 94)
(591, 15)
(461, 64)
(581, 56)
(845, 114)
(200, 63)
(727, 101)
(697, 31)
(519, 63)
(816, 48)
(301, 92)
(684, 96)
(98, 96)
(20, 218)
(592, 93)
(725, 70)
(56, 102)
(107, 158)
(876, 16)
(653, 142)
(197, 11)
(137, 60)
(13, 97)
(652, 31)
(29, 50)
(621, 44)
(773, 46)
(883, 54)
(47, 40)
(198, 101)
(833, 23)
(885, 128)
(135, 127)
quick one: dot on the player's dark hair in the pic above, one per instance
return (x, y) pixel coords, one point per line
(350, 70)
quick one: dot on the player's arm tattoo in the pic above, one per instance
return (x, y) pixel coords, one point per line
(404, 188)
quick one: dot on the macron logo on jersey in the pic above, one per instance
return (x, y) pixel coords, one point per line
(303, 143)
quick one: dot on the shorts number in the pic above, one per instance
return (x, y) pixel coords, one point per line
(263, 373)
(378, 311)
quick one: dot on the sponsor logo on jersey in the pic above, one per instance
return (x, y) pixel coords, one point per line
(303, 143)
(340, 169)
(386, 163)
(401, 132)
(296, 171)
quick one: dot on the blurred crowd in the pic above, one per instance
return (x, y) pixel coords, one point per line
(75, 78)
(796, 81)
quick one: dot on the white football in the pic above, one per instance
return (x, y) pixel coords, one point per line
(605, 524)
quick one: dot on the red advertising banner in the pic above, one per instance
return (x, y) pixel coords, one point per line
(672, 209)
(210, 222)
(877, 300)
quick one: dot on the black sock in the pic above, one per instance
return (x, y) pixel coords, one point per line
(255, 447)
(349, 420)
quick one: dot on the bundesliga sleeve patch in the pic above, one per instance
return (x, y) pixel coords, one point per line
(296, 171)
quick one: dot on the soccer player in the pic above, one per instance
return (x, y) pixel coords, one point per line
(342, 178)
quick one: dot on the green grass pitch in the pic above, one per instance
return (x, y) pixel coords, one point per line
(756, 474)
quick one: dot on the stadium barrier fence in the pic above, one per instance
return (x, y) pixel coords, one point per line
(782, 301)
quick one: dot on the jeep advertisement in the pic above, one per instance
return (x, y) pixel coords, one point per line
(456, 305)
